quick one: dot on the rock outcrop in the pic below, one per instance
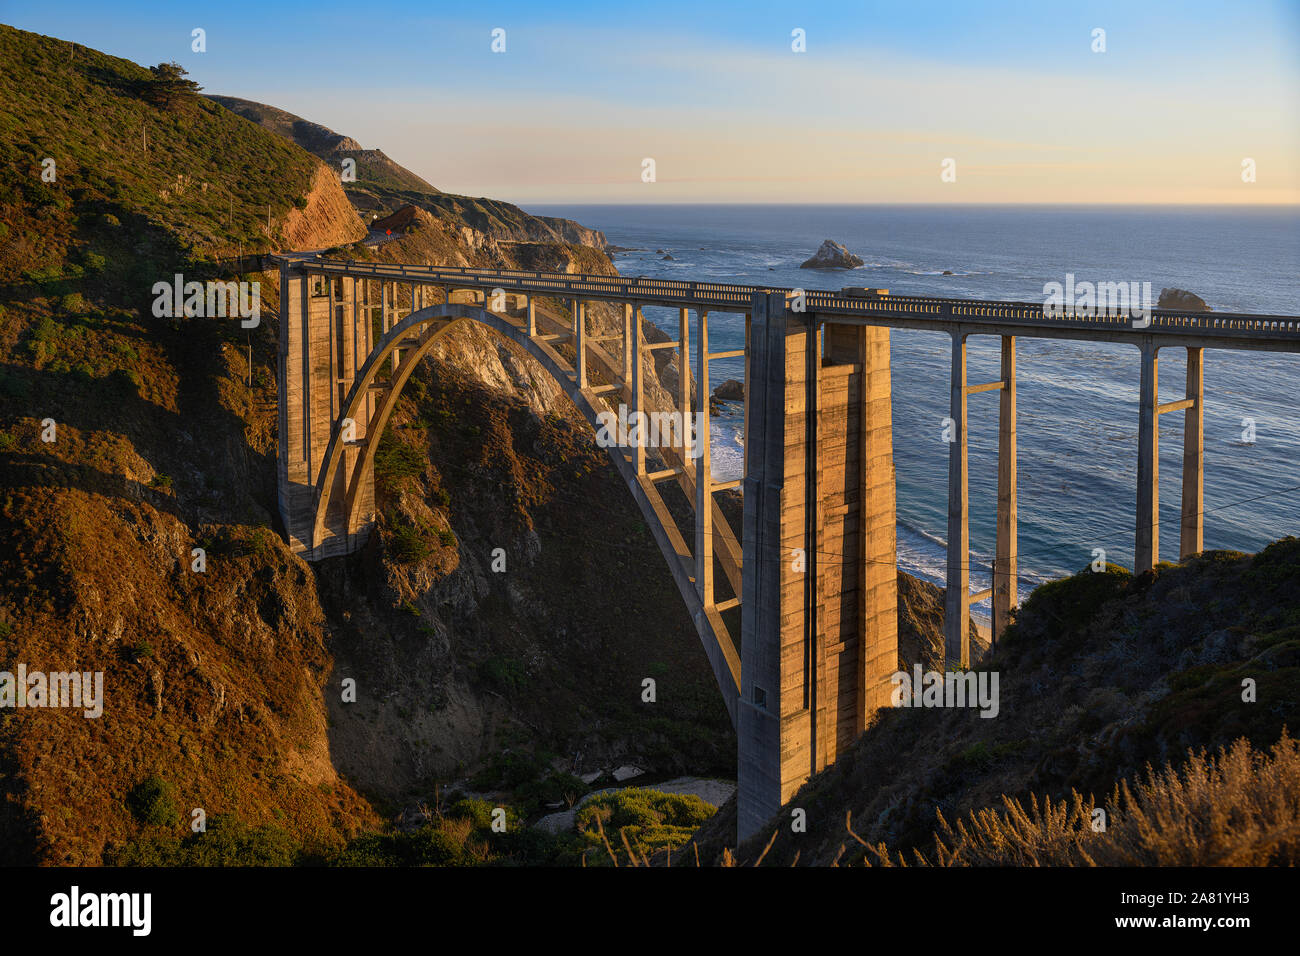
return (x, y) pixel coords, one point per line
(1181, 300)
(327, 220)
(832, 255)
(730, 391)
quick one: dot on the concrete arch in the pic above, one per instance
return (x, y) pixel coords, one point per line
(430, 324)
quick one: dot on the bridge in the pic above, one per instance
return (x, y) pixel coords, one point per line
(809, 585)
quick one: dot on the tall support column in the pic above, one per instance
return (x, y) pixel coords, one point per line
(956, 627)
(684, 381)
(532, 315)
(308, 393)
(769, 583)
(815, 693)
(356, 359)
(745, 435)
(627, 347)
(293, 379)
(389, 308)
(333, 366)
(1147, 547)
(703, 475)
(636, 412)
(580, 342)
(1005, 584)
(1192, 539)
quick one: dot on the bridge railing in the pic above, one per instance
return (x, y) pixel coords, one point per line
(732, 297)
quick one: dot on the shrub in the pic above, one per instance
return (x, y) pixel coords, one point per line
(395, 460)
(1238, 807)
(408, 545)
(152, 801)
(227, 842)
(648, 819)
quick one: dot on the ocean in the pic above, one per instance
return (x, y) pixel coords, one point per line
(1078, 402)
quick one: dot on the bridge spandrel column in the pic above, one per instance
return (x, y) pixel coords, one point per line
(1005, 582)
(956, 615)
(1192, 537)
(1147, 539)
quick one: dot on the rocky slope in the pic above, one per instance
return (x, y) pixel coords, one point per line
(1101, 675)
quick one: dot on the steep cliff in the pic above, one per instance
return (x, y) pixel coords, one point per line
(327, 219)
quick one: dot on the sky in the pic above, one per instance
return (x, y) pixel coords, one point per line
(906, 101)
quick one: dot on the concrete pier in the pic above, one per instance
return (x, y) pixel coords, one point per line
(819, 631)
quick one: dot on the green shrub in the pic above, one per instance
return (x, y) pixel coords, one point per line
(408, 544)
(649, 819)
(395, 460)
(227, 842)
(152, 801)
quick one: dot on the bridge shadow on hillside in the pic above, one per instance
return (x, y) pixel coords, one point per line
(202, 447)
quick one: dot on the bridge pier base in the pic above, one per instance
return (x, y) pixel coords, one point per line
(819, 612)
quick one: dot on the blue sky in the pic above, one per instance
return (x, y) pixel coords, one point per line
(1012, 91)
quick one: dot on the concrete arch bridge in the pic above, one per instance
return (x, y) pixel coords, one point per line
(812, 576)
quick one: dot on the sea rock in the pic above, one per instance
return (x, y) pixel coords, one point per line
(668, 259)
(1180, 300)
(730, 391)
(832, 255)
(947, 272)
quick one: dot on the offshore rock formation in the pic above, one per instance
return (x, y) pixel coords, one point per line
(832, 255)
(1182, 301)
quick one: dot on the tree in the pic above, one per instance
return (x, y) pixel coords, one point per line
(169, 84)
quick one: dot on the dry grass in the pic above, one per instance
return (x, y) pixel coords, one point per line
(1237, 807)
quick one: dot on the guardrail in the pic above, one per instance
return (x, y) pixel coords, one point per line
(738, 298)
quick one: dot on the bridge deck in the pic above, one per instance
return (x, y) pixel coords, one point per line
(974, 316)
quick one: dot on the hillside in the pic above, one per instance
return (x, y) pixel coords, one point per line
(1100, 676)
(383, 187)
(372, 165)
(185, 182)
(222, 686)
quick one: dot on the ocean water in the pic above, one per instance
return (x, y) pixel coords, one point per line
(1078, 402)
